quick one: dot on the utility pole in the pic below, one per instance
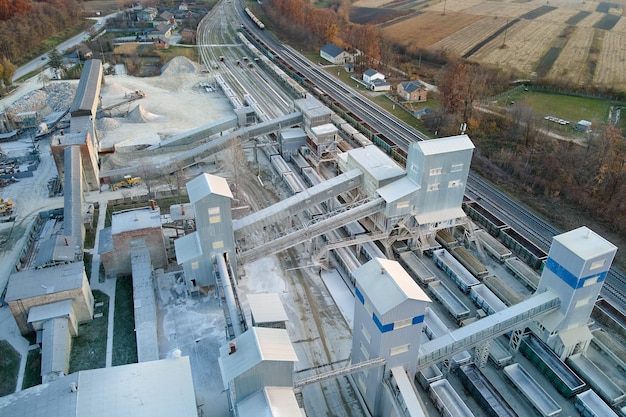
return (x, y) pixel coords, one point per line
(444, 7)
(506, 27)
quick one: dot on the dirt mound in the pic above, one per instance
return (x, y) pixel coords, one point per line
(141, 115)
(179, 65)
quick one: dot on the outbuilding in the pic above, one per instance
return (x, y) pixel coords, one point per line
(336, 55)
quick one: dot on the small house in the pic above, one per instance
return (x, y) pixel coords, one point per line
(334, 54)
(412, 91)
(380, 85)
(371, 74)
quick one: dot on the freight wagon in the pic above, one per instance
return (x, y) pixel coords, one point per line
(449, 300)
(589, 404)
(493, 246)
(523, 272)
(598, 380)
(484, 392)
(453, 268)
(485, 299)
(501, 290)
(447, 400)
(532, 391)
(469, 261)
(416, 268)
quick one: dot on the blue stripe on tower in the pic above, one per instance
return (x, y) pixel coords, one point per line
(569, 278)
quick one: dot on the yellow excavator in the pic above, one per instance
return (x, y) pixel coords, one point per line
(127, 182)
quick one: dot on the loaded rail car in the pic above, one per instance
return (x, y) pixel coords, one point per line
(469, 261)
(449, 300)
(501, 290)
(447, 401)
(493, 246)
(453, 268)
(598, 380)
(255, 19)
(485, 299)
(361, 140)
(484, 217)
(523, 272)
(559, 374)
(293, 182)
(416, 268)
(445, 239)
(532, 391)
(499, 354)
(589, 404)
(489, 398)
(523, 247)
(300, 163)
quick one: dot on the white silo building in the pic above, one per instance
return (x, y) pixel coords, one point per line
(211, 198)
(388, 318)
(576, 268)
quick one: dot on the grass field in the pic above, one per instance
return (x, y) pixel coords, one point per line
(32, 371)
(124, 342)
(89, 347)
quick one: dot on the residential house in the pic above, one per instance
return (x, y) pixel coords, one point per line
(371, 74)
(147, 15)
(336, 55)
(412, 91)
(163, 30)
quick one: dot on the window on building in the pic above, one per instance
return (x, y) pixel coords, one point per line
(369, 308)
(402, 323)
(432, 187)
(402, 204)
(456, 168)
(366, 334)
(436, 171)
(597, 264)
(219, 244)
(364, 352)
(399, 349)
(581, 303)
(214, 215)
(214, 219)
(195, 265)
(591, 281)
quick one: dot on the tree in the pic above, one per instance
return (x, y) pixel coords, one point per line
(8, 70)
(55, 60)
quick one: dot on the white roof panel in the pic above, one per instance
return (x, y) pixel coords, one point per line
(253, 346)
(585, 243)
(267, 308)
(135, 219)
(326, 128)
(387, 284)
(445, 145)
(397, 189)
(36, 282)
(376, 162)
(207, 184)
(440, 215)
(270, 402)
(188, 247)
(49, 311)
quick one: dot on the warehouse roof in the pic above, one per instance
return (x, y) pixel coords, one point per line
(376, 162)
(270, 402)
(35, 282)
(135, 219)
(444, 145)
(267, 308)
(206, 184)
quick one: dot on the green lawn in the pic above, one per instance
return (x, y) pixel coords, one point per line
(32, 373)
(89, 347)
(570, 108)
(9, 368)
(124, 341)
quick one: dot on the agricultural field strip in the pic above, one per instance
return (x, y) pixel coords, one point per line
(590, 20)
(465, 39)
(610, 67)
(526, 44)
(571, 65)
(454, 5)
(620, 27)
(607, 22)
(510, 11)
(433, 28)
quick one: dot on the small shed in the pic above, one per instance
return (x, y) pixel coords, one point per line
(266, 310)
(583, 126)
(333, 53)
(380, 85)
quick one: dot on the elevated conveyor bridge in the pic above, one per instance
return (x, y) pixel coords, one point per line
(308, 231)
(488, 328)
(298, 203)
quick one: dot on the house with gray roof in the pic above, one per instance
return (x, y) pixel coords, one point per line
(412, 91)
(334, 54)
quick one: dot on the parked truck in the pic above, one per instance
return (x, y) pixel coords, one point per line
(127, 182)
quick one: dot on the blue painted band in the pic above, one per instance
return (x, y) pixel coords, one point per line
(569, 278)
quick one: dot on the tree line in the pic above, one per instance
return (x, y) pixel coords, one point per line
(25, 25)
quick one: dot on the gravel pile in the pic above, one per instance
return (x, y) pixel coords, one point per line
(55, 97)
(179, 65)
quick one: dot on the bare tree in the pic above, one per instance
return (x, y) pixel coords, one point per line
(236, 162)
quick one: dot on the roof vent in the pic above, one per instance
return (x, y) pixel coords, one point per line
(233, 348)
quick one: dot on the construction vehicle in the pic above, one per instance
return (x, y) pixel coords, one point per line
(127, 182)
(6, 207)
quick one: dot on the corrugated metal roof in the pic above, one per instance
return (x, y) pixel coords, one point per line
(376, 162)
(135, 219)
(49, 311)
(585, 243)
(73, 198)
(56, 346)
(267, 308)
(270, 402)
(445, 145)
(88, 90)
(397, 189)
(206, 184)
(387, 284)
(255, 345)
(35, 282)
(293, 133)
(332, 50)
(55, 249)
(370, 72)
(188, 247)
(326, 128)
(182, 212)
(144, 304)
(105, 241)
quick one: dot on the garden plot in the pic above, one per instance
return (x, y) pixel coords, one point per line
(571, 65)
(465, 39)
(561, 15)
(612, 58)
(526, 43)
(427, 29)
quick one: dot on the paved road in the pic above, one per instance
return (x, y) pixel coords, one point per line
(42, 60)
